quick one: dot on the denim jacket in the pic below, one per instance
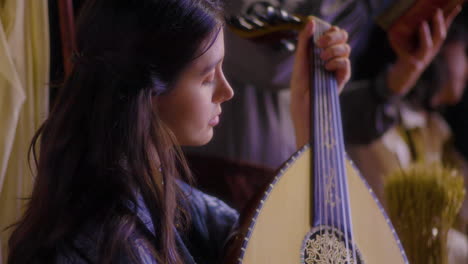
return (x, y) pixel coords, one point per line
(212, 221)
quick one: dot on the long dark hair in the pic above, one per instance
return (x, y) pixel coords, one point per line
(104, 141)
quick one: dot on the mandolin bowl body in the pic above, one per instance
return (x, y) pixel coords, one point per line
(274, 230)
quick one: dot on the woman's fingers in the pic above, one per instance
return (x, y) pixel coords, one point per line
(336, 53)
(342, 68)
(332, 36)
(342, 50)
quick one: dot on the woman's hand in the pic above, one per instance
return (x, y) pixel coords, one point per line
(410, 63)
(335, 52)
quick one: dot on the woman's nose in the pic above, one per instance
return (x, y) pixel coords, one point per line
(224, 90)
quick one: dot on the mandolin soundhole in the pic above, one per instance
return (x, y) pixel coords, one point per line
(327, 245)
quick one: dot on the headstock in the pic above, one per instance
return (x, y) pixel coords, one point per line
(264, 22)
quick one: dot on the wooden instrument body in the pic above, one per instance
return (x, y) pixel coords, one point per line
(279, 223)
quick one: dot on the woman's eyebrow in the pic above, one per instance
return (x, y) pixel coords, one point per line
(210, 67)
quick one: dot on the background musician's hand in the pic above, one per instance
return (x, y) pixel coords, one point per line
(335, 51)
(410, 63)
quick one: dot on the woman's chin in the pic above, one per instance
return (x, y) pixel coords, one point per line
(200, 140)
(208, 138)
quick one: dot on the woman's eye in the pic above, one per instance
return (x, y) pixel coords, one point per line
(209, 81)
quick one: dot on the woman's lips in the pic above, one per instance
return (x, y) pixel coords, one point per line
(214, 121)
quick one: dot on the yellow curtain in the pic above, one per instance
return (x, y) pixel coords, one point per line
(24, 77)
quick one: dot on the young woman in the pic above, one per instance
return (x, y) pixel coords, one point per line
(147, 79)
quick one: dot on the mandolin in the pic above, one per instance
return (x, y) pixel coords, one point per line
(317, 209)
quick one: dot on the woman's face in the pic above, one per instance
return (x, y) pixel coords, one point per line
(193, 107)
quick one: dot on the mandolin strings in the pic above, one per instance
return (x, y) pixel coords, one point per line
(331, 183)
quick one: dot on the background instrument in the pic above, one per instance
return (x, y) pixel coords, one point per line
(404, 17)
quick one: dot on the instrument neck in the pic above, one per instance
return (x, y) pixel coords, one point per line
(331, 203)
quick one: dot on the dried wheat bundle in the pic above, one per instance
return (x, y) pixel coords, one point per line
(423, 202)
